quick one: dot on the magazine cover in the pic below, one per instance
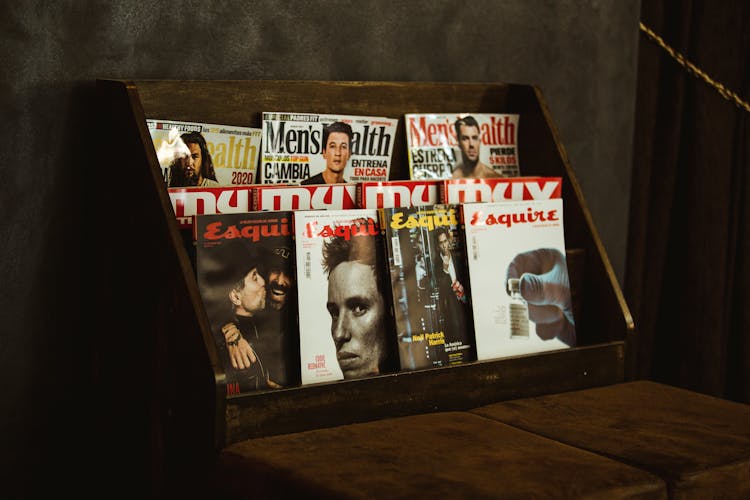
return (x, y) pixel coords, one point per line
(345, 326)
(306, 148)
(205, 154)
(389, 194)
(312, 197)
(514, 188)
(246, 278)
(189, 202)
(478, 145)
(430, 285)
(519, 277)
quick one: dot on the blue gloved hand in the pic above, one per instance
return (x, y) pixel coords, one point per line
(546, 287)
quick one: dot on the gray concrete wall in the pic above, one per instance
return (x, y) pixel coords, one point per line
(582, 53)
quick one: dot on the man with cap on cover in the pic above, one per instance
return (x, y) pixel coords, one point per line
(239, 281)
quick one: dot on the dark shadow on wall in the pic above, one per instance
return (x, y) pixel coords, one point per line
(52, 448)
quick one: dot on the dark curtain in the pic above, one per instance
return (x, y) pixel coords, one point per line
(688, 268)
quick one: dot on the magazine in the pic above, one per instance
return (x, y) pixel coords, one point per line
(205, 154)
(429, 281)
(344, 319)
(246, 278)
(486, 146)
(515, 188)
(519, 277)
(389, 194)
(312, 197)
(307, 148)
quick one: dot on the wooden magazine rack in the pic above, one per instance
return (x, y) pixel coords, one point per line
(158, 358)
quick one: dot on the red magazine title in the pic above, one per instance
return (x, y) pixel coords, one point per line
(191, 201)
(502, 189)
(397, 194)
(312, 197)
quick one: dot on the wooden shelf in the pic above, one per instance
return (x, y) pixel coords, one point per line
(160, 350)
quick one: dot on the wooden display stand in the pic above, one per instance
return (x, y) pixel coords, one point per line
(158, 357)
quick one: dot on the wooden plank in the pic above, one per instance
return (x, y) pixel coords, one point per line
(440, 389)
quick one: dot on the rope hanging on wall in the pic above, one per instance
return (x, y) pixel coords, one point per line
(695, 70)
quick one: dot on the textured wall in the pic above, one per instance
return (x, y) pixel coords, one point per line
(582, 53)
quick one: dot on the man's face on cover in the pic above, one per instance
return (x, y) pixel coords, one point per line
(357, 317)
(336, 151)
(444, 243)
(189, 171)
(468, 141)
(279, 284)
(251, 296)
(196, 155)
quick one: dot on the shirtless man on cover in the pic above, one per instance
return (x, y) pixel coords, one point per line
(467, 134)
